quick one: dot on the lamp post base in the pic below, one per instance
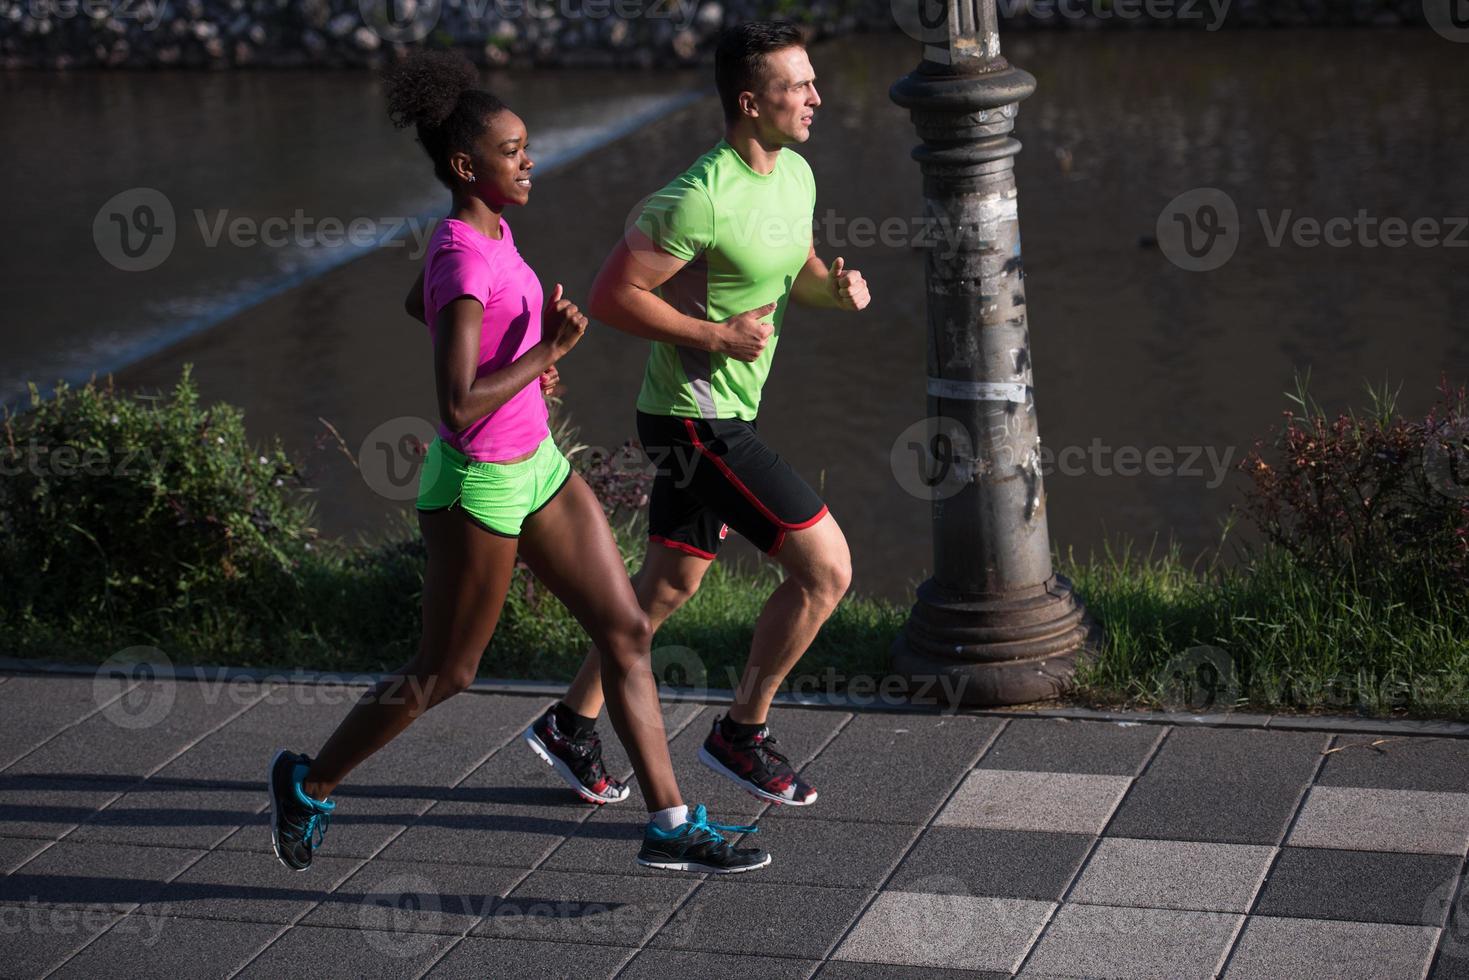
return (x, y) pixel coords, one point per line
(1014, 649)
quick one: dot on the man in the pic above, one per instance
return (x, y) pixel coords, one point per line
(707, 273)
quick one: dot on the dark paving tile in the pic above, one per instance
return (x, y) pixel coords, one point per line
(476, 834)
(15, 851)
(1433, 764)
(168, 947)
(1002, 863)
(1451, 960)
(306, 951)
(836, 853)
(834, 970)
(174, 817)
(449, 743)
(607, 842)
(1061, 745)
(392, 898)
(475, 959)
(94, 875)
(1244, 755)
(556, 906)
(727, 916)
(38, 938)
(893, 768)
(683, 964)
(1208, 808)
(36, 708)
(240, 886)
(50, 806)
(1363, 886)
(360, 826)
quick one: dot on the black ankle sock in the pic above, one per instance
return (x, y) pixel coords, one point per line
(735, 731)
(573, 724)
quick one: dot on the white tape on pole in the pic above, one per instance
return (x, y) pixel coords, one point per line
(977, 391)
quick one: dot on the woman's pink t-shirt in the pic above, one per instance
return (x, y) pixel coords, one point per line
(463, 262)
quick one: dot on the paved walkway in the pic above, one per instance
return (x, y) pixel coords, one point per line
(133, 843)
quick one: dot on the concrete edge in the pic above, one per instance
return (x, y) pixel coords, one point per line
(836, 702)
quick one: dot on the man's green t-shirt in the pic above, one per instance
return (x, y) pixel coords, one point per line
(745, 237)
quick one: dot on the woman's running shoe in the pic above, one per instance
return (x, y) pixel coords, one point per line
(578, 760)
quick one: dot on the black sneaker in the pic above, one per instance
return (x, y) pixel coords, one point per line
(756, 766)
(297, 822)
(695, 845)
(576, 760)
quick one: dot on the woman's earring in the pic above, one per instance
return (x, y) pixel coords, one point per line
(471, 178)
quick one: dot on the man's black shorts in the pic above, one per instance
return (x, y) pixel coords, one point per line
(716, 474)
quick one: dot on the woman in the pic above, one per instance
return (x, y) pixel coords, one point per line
(494, 484)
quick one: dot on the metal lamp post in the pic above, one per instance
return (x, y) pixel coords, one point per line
(994, 620)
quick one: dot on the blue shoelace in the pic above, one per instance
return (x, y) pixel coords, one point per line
(699, 822)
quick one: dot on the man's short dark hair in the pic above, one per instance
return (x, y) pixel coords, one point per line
(739, 60)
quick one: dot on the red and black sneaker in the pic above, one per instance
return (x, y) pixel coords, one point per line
(756, 766)
(578, 760)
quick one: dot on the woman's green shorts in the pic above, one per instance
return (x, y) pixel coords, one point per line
(497, 496)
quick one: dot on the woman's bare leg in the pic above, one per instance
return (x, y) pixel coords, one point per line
(464, 590)
(569, 546)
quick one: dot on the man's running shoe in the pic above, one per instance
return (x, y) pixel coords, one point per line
(695, 845)
(576, 760)
(756, 766)
(297, 822)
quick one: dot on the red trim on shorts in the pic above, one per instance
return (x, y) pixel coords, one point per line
(750, 496)
(681, 546)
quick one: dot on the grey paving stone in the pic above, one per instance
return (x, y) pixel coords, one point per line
(1270, 948)
(998, 799)
(111, 876)
(1185, 875)
(893, 768)
(1220, 809)
(606, 842)
(38, 938)
(516, 782)
(475, 959)
(478, 835)
(683, 964)
(961, 932)
(835, 854)
(15, 851)
(393, 898)
(35, 708)
(1365, 886)
(1451, 961)
(1383, 820)
(1000, 863)
(1438, 765)
(834, 970)
(1250, 755)
(140, 946)
(244, 887)
(1166, 944)
(1062, 745)
(734, 916)
(305, 951)
(558, 906)
(175, 817)
(50, 806)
